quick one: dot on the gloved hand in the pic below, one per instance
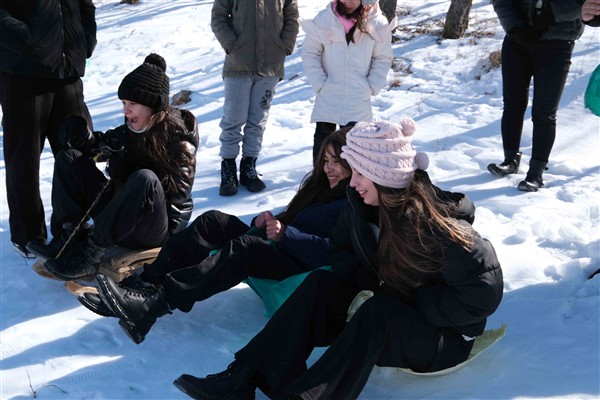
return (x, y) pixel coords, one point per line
(74, 133)
(524, 32)
(544, 19)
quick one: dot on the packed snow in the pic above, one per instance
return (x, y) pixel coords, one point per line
(548, 241)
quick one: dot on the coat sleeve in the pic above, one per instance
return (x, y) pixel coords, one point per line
(291, 26)
(508, 14)
(312, 49)
(88, 20)
(471, 291)
(566, 10)
(381, 60)
(14, 33)
(221, 25)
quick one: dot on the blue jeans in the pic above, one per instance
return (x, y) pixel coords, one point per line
(547, 62)
(247, 104)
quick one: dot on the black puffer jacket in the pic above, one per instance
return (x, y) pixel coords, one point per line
(467, 290)
(567, 23)
(181, 150)
(46, 38)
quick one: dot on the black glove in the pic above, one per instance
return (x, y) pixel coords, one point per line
(524, 32)
(544, 19)
(75, 134)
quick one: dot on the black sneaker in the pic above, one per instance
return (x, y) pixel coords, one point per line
(58, 242)
(249, 176)
(235, 383)
(82, 263)
(229, 180)
(138, 308)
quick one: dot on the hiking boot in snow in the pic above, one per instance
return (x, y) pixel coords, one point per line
(94, 303)
(138, 308)
(235, 383)
(58, 242)
(82, 263)
(510, 165)
(229, 180)
(533, 180)
(249, 176)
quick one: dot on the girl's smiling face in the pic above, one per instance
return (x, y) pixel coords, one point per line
(332, 167)
(137, 115)
(365, 187)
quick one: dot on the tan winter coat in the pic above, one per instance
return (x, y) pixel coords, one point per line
(256, 35)
(345, 76)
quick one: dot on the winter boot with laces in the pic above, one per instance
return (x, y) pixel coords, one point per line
(94, 303)
(229, 180)
(249, 176)
(58, 242)
(138, 308)
(82, 263)
(533, 180)
(235, 383)
(510, 165)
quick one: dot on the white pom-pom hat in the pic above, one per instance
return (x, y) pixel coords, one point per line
(383, 152)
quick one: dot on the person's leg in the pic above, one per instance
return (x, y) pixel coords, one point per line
(136, 216)
(25, 113)
(235, 114)
(260, 97)
(239, 258)
(385, 332)
(322, 130)
(209, 231)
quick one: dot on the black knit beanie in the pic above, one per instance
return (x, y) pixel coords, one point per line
(147, 84)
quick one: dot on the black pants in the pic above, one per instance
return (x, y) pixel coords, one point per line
(384, 332)
(547, 62)
(322, 130)
(32, 110)
(133, 215)
(238, 258)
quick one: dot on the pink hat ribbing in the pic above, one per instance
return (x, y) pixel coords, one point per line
(382, 151)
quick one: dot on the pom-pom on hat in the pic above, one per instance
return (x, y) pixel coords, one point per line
(147, 84)
(382, 151)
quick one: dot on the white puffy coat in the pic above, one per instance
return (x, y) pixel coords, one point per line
(345, 76)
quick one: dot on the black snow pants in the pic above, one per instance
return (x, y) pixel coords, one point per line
(32, 110)
(133, 215)
(384, 332)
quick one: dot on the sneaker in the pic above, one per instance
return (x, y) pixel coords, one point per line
(137, 308)
(235, 383)
(249, 176)
(58, 242)
(229, 180)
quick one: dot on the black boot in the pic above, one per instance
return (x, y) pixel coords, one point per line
(138, 308)
(58, 242)
(229, 180)
(533, 181)
(510, 165)
(235, 383)
(249, 176)
(82, 263)
(94, 303)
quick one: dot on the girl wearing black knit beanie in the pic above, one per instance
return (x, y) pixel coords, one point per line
(150, 163)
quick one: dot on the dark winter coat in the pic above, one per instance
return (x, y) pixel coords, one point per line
(46, 38)
(567, 23)
(181, 148)
(256, 35)
(467, 290)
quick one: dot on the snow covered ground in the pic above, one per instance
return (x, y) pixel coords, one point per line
(548, 242)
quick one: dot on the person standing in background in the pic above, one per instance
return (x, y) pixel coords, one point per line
(256, 35)
(44, 45)
(539, 41)
(346, 54)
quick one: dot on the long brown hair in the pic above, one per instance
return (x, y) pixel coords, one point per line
(153, 147)
(315, 186)
(415, 227)
(359, 15)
